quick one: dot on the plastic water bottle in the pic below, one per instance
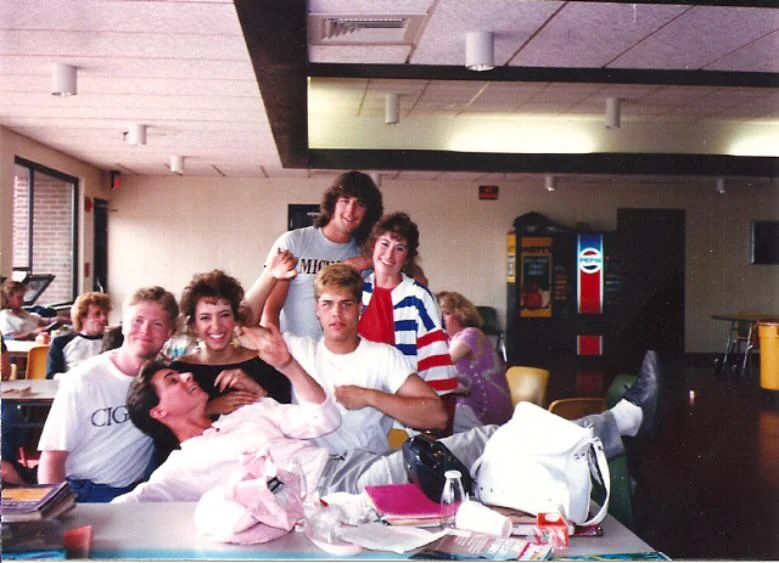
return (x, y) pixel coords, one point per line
(451, 497)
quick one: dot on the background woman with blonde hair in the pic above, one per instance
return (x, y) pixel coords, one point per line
(476, 363)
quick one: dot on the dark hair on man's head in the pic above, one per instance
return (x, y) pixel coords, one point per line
(212, 286)
(80, 308)
(142, 398)
(399, 226)
(341, 277)
(159, 295)
(352, 184)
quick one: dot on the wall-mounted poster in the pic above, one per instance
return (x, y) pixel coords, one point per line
(535, 275)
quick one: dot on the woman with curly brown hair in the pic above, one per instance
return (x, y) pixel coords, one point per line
(231, 374)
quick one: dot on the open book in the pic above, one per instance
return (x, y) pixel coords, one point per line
(404, 505)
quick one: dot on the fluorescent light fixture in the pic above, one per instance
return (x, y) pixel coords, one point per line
(63, 80)
(136, 134)
(479, 50)
(392, 109)
(720, 185)
(549, 183)
(177, 164)
(612, 113)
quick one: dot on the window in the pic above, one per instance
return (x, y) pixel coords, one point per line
(44, 228)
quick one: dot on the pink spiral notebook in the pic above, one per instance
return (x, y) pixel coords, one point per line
(405, 503)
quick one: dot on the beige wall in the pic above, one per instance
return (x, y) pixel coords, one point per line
(92, 182)
(164, 229)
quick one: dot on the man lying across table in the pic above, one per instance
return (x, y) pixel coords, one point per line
(162, 401)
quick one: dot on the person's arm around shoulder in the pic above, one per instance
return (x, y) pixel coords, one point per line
(51, 467)
(269, 291)
(415, 404)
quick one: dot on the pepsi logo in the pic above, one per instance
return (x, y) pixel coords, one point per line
(590, 260)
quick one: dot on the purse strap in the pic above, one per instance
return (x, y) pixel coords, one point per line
(603, 468)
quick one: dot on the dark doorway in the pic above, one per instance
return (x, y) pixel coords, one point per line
(100, 278)
(651, 256)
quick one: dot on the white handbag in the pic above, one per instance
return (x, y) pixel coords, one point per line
(538, 462)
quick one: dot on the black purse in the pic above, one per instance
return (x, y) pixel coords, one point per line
(426, 461)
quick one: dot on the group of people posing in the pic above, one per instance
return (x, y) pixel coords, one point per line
(337, 340)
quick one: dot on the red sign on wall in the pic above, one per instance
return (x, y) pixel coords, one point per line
(488, 192)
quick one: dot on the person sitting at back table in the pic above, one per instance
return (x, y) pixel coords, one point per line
(15, 322)
(161, 400)
(213, 310)
(349, 208)
(88, 438)
(477, 364)
(89, 315)
(400, 311)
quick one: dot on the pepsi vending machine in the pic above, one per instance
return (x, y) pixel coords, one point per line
(563, 287)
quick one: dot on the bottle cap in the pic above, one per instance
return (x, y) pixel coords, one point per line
(452, 474)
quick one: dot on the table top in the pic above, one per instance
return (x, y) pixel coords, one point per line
(21, 346)
(167, 531)
(747, 317)
(41, 391)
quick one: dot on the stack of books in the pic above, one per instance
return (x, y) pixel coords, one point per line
(31, 503)
(29, 526)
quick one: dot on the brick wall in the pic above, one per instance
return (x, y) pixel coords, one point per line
(52, 233)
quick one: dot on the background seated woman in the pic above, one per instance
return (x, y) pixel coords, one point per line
(89, 315)
(15, 322)
(477, 365)
(230, 373)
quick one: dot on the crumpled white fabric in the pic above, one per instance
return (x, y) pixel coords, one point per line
(245, 511)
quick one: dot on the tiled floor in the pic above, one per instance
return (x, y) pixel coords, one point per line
(709, 482)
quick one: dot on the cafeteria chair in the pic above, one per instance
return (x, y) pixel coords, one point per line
(36, 362)
(577, 407)
(742, 335)
(491, 327)
(527, 384)
(396, 437)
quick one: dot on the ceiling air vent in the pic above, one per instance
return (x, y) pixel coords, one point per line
(332, 30)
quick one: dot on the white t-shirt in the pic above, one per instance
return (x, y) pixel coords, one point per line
(314, 251)
(89, 420)
(12, 323)
(372, 365)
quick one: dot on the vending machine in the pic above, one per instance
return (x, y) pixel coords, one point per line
(563, 288)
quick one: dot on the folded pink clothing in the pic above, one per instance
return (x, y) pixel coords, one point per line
(261, 505)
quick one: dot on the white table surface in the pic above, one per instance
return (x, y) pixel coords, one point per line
(167, 531)
(20, 347)
(41, 390)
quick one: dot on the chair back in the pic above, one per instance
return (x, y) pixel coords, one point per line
(619, 385)
(491, 327)
(527, 384)
(36, 362)
(577, 407)
(396, 437)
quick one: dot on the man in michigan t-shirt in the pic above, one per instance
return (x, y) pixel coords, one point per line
(349, 209)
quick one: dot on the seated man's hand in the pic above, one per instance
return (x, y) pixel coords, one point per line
(353, 397)
(229, 402)
(270, 345)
